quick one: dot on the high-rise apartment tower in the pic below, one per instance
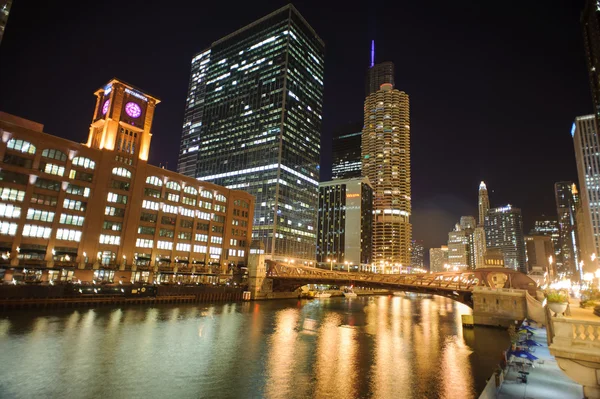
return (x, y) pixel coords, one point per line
(253, 122)
(386, 162)
(504, 231)
(484, 203)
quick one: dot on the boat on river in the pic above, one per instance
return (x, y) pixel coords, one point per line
(322, 294)
(349, 293)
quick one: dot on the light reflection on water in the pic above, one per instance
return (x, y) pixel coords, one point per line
(369, 347)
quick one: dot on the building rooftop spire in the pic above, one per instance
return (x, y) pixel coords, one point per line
(482, 185)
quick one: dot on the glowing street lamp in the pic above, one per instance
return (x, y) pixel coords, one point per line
(330, 264)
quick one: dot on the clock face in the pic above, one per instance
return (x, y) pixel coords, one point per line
(105, 107)
(133, 110)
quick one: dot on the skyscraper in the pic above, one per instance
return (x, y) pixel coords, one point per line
(550, 228)
(378, 74)
(591, 37)
(479, 247)
(438, 259)
(345, 218)
(346, 152)
(253, 122)
(417, 253)
(565, 209)
(539, 249)
(386, 162)
(4, 11)
(483, 204)
(504, 231)
(459, 252)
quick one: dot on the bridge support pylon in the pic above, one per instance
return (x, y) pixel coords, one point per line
(258, 284)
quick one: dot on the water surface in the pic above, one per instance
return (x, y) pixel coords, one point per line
(367, 347)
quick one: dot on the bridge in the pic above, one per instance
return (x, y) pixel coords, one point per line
(456, 285)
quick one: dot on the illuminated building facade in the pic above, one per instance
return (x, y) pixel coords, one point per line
(459, 252)
(550, 228)
(504, 231)
(438, 259)
(346, 152)
(565, 208)
(479, 248)
(345, 218)
(539, 250)
(99, 211)
(587, 155)
(417, 254)
(4, 11)
(253, 122)
(386, 162)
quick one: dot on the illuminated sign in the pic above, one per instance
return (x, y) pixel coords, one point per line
(136, 94)
(352, 195)
(107, 89)
(573, 130)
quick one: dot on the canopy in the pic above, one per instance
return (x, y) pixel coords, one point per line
(531, 342)
(524, 355)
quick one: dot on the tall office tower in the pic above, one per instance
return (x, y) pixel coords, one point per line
(587, 148)
(467, 222)
(479, 248)
(438, 259)
(345, 217)
(386, 162)
(585, 239)
(459, 252)
(567, 219)
(4, 11)
(504, 231)
(550, 228)
(346, 152)
(591, 37)
(540, 251)
(379, 74)
(253, 122)
(484, 203)
(417, 253)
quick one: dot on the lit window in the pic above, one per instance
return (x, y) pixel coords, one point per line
(169, 209)
(54, 154)
(21, 145)
(190, 190)
(31, 230)
(202, 237)
(183, 247)
(216, 240)
(144, 243)
(155, 181)
(200, 249)
(121, 172)
(75, 220)
(150, 205)
(36, 214)
(10, 211)
(10, 194)
(7, 228)
(68, 235)
(215, 251)
(164, 245)
(173, 185)
(110, 239)
(84, 162)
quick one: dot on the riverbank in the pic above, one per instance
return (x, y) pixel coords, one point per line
(75, 295)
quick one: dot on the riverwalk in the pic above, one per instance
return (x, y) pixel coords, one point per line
(545, 378)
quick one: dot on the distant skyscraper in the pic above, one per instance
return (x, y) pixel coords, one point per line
(253, 122)
(539, 249)
(4, 11)
(504, 231)
(417, 253)
(590, 18)
(386, 162)
(467, 222)
(550, 228)
(459, 249)
(479, 247)
(379, 74)
(438, 258)
(345, 218)
(346, 152)
(484, 203)
(587, 150)
(567, 218)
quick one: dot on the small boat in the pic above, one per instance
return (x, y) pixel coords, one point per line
(322, 294)
(398, 293)
(349, 293)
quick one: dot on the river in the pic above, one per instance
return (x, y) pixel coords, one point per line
(366, 347)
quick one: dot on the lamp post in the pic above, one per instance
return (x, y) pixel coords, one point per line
(347, 264)
(330, 264)
(549, 269)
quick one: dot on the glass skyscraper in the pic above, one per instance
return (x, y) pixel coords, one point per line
(504, 231)
(346, 152)
(253, 122)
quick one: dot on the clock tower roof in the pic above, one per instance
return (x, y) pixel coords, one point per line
(128, 86)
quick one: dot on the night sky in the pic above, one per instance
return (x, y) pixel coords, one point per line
(494, 86)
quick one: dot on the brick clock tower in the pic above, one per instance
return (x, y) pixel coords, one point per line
(122, 121)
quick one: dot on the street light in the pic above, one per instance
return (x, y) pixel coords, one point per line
(330, 264)
(347, 264)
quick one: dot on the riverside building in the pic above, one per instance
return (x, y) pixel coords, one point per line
(99, 211)
(253, 122)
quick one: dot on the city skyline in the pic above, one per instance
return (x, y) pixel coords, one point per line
(436, 206)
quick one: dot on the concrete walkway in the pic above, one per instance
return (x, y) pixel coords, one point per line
(545, 379)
